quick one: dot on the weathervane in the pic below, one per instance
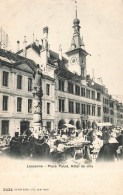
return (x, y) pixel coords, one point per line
(76, 8)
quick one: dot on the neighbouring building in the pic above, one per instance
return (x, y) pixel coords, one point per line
(16, 98)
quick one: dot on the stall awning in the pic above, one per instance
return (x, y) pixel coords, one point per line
(104, 124)
(69, 126)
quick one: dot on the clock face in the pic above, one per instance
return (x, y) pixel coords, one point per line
(73, 60)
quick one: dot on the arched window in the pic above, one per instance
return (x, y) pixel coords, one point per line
(78, 125)
(61, 123)
(83, 125)
(93, 124)
(71, 122)
(89, 124)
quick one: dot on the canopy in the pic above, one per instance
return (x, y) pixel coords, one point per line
(69, 126)
(99, 133)
(116, 131)
(113, 140)
(104, 124)
(78, 141)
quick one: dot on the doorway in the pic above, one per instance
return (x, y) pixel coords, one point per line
(5, 128)
(48, 126)
(24, 125)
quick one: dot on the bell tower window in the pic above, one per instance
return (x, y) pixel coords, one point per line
(82, 72)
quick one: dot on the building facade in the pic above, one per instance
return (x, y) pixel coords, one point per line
(77, 99)
(41, 89)
(16, 98)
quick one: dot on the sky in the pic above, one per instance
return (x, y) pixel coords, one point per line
(101, 24)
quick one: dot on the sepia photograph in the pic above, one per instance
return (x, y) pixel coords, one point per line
(61, 97)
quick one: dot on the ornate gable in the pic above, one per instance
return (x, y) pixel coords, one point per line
(24, 66)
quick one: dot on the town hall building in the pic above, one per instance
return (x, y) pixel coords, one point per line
(40, 89)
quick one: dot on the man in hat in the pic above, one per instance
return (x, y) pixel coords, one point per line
(41, 149)
(36, 150)
(120, 152)
(15, 144)
(27, 132)
(41, 138)
(105, 136)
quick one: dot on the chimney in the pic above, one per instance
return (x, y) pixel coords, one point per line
(1, 35)
(45, 39)
(37, 42)
(18, 46)
(45, 32)
(60, 52)
(48, 54)
(93, 75)
(33, 36)
(25, 40)
(6, 41)
(100, 80)
(24, 46)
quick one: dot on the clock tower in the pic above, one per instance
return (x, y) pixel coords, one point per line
(77, 54)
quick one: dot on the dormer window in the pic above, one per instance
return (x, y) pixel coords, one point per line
(70, 87)
(61, 85)
(87, 93)
(82, 71)
(98, 96)
(77, 90)
(82, 92)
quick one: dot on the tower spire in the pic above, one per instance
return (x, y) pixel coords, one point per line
(76, 9)
(76, 53)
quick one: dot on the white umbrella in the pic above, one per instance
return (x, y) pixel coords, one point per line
(55, 134)
(69, 126)
(112, 140)
(99, 133)
(108, 124)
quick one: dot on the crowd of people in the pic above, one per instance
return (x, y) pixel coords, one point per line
(106, 144)
(99, 144)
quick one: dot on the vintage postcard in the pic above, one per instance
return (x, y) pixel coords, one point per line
(61, 97)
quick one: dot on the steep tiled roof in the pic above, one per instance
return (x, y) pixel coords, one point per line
(98, 87)
(65, 73)
(8, 57)
(36, 48)
(32, 45)
(54, 60)
(55, 56)
(52, 57)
